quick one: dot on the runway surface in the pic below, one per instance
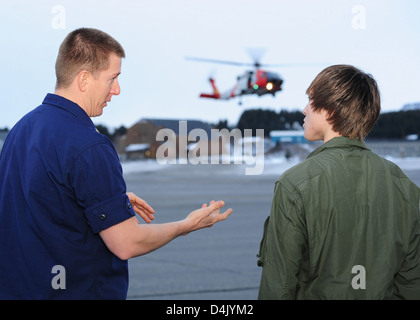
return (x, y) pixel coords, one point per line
(218, 263)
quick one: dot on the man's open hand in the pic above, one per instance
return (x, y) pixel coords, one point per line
(206, 216)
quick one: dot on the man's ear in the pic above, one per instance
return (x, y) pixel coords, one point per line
(83, 80)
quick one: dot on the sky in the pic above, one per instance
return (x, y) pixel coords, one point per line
(381, 37)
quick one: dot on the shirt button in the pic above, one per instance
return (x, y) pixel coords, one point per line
(129, 206)
(102, 217)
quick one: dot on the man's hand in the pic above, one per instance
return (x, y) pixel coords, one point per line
(206, 217)
(141, 207)
(129, 238)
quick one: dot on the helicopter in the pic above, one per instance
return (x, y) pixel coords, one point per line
(251, 82)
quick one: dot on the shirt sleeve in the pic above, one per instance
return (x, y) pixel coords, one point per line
(100, 188)
(284, 247)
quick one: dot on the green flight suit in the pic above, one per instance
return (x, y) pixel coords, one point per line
(344, 224)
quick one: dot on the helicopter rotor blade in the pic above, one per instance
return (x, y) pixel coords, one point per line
(294, 65)
(257, 63)
(234, 63)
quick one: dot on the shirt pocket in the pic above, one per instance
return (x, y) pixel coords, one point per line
(261, 252)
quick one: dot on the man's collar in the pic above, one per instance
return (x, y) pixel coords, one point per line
(339, 142)
(68, 105)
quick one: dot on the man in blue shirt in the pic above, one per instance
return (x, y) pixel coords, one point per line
(67, 224)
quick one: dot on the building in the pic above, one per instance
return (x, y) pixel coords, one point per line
(140, 140)
(287, 136)
(411, 106)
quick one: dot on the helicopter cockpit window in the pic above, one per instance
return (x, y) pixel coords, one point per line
(272, 75)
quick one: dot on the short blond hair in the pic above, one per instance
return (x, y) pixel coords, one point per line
(350, 97)
(84, 49)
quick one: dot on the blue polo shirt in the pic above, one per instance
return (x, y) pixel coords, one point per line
(61, 183)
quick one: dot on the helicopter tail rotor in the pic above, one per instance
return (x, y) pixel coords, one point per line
(215, 94)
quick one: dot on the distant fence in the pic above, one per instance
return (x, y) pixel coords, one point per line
(397, 149)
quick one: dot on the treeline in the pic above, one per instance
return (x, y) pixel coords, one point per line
(111, 135)
(396, 125)
(270, 120)
(390, 125)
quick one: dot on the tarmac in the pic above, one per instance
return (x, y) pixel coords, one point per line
(217, 263)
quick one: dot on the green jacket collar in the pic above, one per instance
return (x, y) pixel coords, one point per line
(339, 142)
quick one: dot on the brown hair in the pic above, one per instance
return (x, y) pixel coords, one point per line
(84, 49)
(350, 97)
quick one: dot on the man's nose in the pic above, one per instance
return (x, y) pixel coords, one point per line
(116, 90)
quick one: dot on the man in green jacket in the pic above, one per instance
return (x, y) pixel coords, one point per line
(344, 223)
